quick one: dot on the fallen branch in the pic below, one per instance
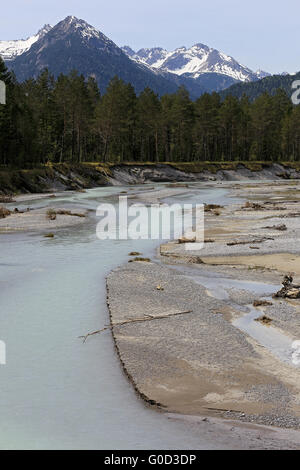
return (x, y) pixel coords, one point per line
(289, 290)
(222, 409)
(137, 320)
(247, 242)
(281, 227)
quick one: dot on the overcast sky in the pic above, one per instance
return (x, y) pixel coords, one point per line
(260, 34)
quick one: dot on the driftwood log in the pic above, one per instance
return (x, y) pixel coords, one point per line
(135, 320)
(289, 290)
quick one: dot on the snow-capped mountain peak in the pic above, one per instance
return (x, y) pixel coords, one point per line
(9, 50)
(73, 44)
(193, 62)
(80, 28)
(262, 74)
(71, 23)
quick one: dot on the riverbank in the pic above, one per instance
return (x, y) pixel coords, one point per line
(207, 355)
(26, 185)
(66, 177)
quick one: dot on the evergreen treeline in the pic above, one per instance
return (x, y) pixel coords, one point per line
(266, 85)
(67, 120)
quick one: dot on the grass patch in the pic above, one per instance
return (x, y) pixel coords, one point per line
(214, 167)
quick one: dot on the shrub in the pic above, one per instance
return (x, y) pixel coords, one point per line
(51, 214)
(4, 212)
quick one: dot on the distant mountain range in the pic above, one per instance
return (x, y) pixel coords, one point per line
(9, 50)
(73, 44)
(194, 62)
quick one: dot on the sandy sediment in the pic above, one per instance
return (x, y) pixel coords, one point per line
(199, 363)
(38, 220)
(251, 242)
(195, 363)
(191, 362)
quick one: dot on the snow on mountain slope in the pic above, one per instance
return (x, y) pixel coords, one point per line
(262, 74)
(73, 44)
(87, 32)
(194, 61)
(9, 50)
